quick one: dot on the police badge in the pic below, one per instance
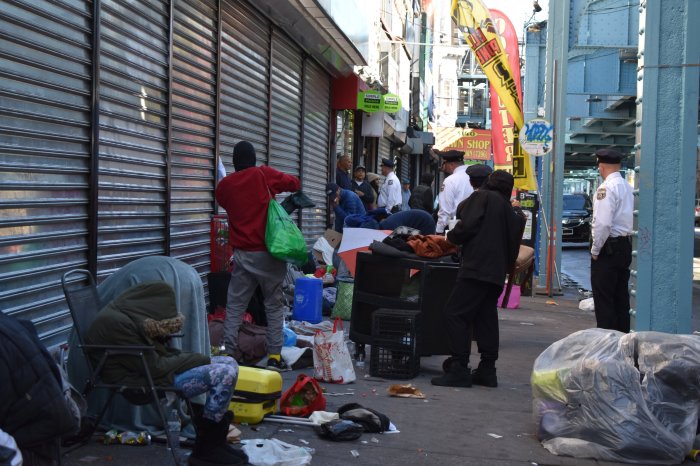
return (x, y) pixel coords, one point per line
(600, 194)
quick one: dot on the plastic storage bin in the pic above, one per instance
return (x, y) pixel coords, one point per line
(394, 353)
(308, 300)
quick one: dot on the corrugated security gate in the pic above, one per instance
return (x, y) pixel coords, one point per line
(45, 128)
(316, 142)
(162, 80)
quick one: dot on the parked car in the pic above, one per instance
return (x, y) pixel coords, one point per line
(576, 218)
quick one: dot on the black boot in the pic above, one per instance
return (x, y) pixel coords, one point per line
(485, 375)
(457, 374)
(210, 447)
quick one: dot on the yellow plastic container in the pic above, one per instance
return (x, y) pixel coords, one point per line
(256, 394)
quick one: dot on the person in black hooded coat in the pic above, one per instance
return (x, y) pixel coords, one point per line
(33, 408)
(489, 232)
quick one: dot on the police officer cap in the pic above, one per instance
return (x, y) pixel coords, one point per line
(609, 156)
(452, 155)
(387, 162)
(360, 167)
(479, 170)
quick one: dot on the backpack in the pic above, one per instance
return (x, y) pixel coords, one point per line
(371, 420)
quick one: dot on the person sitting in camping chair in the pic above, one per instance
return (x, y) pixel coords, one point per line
(146, 314)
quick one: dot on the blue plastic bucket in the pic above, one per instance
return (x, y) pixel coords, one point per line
(308, 300)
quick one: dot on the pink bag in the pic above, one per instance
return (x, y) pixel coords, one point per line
(513, 299)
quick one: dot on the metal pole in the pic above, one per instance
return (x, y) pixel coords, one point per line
(552, 227)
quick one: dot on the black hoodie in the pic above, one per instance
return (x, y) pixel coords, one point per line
(489, 231)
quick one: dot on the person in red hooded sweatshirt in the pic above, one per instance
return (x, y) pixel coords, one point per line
(245, 195)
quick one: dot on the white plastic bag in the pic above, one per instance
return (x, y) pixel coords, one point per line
(332, 361)
(273, 452)
(586, 304)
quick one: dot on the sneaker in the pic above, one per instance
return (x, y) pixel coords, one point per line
(485, 377)
(276, 365)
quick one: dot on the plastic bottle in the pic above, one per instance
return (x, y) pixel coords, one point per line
(174, 426)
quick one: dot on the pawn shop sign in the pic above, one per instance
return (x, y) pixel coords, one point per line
(536, 137)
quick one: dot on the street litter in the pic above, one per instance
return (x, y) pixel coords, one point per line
(495, 435)
(526, 323)
(586, 304)
(273, 452)
(553, 303)
(127, 438)
(89, 459)
(355, 453)
(374, 440)
(405, 391)
(234, 435)
(303, 441)
(338, 394)
(659, 408)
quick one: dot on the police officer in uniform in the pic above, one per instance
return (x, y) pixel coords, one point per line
(390, 192)
(454, 189)
(611, 251)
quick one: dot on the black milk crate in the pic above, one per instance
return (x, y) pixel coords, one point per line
(394, 353)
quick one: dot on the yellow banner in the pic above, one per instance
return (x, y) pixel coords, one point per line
(474, 20)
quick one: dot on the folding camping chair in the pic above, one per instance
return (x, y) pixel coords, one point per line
(84, 304)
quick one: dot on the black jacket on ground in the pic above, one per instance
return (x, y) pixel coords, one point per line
(489, 232)
(33, 408)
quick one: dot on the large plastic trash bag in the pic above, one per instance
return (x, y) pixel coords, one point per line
(618, 397)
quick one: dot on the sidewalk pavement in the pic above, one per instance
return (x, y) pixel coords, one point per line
(465, 426)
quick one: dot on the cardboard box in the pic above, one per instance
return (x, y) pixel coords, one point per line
(333, 238)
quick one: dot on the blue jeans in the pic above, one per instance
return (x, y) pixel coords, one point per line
(218, 379)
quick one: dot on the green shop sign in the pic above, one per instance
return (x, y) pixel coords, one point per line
(369, 101)
(391, 103)
(374, 101)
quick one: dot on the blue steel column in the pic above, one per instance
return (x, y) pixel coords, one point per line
(667, 116)
(555, 112)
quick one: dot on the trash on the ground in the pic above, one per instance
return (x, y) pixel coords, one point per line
(495, 435)
(649, 379)
(355, 453)
(89, 459)
(694, 455)
(127, 438)
(303, 441)
(372, 420)
(374, 440)
(551, 302)
(273, 452)
(340, 430)
(286, 430)
(526, 323)
(405, 391)
(586, 304)
(364, 441)
(339, 394)
(234, 435)
(299, 421)
(319, 417)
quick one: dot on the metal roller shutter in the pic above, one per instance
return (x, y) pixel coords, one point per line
(285, 131)
(244, 93)
(384, 150)
(133, 132)
(192, 152)
(404, 167)
(316, 147)
(45, 133)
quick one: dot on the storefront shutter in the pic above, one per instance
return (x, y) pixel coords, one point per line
(384, 151)
(316, 147)
(245, 66)
(285, 130)
(45, 98)
(133, 132)
(192, 163)
(404, 167)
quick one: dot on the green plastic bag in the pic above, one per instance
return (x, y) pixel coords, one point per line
(282, 237)
(343, 299)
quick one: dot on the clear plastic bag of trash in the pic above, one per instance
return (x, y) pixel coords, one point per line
(340, 430)
(630, 398)
(273, 452)
(586, 304)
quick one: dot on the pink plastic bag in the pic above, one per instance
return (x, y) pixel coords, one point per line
(513, 299)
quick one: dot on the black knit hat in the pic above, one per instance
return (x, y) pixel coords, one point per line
(243, 155)
(500, 181)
